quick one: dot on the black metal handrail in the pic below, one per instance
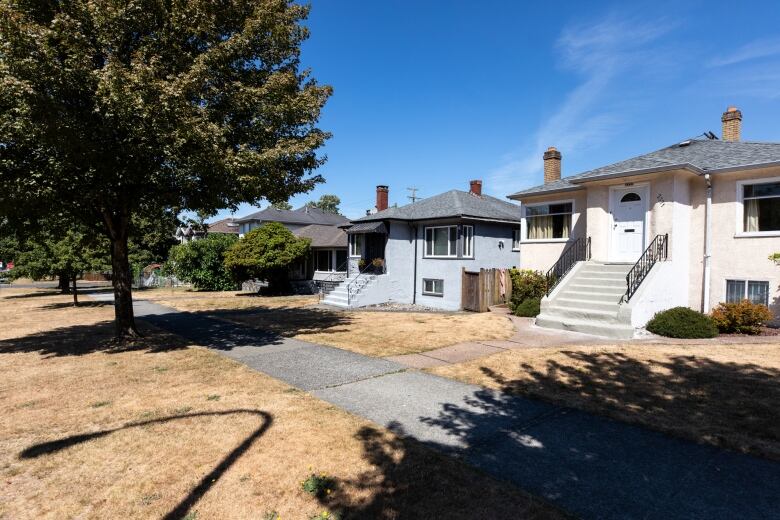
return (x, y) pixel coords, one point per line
(352, 286)
(579, 251)
(657, 251)
(329, 279)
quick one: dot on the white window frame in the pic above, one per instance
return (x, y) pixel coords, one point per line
(740, 228)
(433, 293)
(517, 238)
(524, 224)
(467, 239)
(448, 227)
(747, 282)
(352, 246)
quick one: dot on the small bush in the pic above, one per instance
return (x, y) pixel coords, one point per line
(526, 285)
(527, 308)
(682, 322)
(318, 485)
(744, 317)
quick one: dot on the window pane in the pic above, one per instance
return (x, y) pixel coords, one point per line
(468, 240)
(433, 286)
(735, 291)
(428, 242)
(763, 190)
(758, 292)
(453, 241)
(323, 261)
(441, 243)
(554, 226)
(548, 209)
(762, 215)
(438, 286)
(341, 260)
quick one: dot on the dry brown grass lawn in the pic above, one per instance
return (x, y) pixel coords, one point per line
(164, 427)
(726, 395)
(374, 333)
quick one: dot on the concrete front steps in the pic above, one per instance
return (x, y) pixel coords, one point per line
(588, 300)
(338, 296)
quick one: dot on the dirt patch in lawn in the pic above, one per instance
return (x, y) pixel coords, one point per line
(165, 430)
(726, 395)
(374, 333)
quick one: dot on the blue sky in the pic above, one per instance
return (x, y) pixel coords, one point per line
(432, 94)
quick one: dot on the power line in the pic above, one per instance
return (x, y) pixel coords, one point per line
(413, 197)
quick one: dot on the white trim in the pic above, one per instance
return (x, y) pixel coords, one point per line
(524, 225)
(425, 241)
(740, 209)
(463, 241)
(646, 224)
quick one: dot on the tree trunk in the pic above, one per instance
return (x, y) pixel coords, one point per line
(64, 283)
(121, 277)
(75, 293)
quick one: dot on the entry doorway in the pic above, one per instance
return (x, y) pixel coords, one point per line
(628, 234)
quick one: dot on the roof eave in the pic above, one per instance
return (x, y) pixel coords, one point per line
(520, 194)
(643, 171)
(755, 166)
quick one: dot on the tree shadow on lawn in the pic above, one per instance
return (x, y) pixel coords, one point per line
(286, 321)
(205, 483)
(78, 340)
(724, 404)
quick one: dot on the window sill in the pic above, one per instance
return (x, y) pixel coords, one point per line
(546, 241)
(441, 257)
(757, 234)
(433, 294)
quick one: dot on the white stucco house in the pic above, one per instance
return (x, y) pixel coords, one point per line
(692, 224)
(423, 248)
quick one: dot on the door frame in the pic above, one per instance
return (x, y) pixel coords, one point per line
(640, 187)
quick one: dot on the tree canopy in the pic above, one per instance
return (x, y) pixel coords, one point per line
(266, 253)
(327, 203)
(283, 205)
(113, 109)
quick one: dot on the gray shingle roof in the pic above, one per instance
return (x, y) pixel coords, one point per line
(323, 236)
(453, 203)
(302, 215)
(699, 155)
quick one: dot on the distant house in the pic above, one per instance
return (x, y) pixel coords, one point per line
(328, 258)
(189, 233)
(422, 248)
(692, 224)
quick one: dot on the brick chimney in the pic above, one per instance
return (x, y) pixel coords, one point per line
(732, 124)
(381, 198)
(475, 187)
(552, 165)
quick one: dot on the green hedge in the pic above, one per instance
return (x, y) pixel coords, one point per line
(527, 308)
(682, 322)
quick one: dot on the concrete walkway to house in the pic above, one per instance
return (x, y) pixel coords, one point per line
(591, 466)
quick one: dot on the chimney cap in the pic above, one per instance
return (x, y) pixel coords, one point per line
(382, 188)
(552, 153)
(731, 112)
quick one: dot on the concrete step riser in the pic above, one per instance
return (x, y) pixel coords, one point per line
(576, 313)
(575, 303)
(596, 328)
(595, 297)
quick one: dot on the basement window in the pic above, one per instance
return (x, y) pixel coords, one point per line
(433, 287)
(755, 291)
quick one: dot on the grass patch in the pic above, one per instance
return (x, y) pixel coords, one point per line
(721, 394)
(100, 404)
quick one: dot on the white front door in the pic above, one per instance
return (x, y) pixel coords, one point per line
(629, 206)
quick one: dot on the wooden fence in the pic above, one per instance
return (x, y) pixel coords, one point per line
(487, 287)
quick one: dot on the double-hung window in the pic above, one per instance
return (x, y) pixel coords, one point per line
(356, 245)
(441, 242)
(516, 234)
(760, 206)
(755, 291)
(468, 241)
(548, 221)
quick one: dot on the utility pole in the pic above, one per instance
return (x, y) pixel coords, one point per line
(413, 197)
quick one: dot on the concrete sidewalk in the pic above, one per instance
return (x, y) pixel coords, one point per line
(586, 464)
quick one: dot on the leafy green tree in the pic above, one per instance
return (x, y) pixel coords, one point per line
(283, 205)
(327, 203)
(112, 109)
(266, 253)
(201, 262)
(66, 256)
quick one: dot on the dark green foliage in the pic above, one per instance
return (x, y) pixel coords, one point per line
(201, 262)
(527, 308)
(527, 285)
(327, 203)
(743, 317)
(266, 253)
(682, 322)
(318, 485)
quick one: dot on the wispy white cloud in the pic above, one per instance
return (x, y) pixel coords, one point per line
(604, 54)
(758, 49)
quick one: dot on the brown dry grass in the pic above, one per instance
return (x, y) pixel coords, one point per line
(91, 432)
(374, 333)
(726, 395)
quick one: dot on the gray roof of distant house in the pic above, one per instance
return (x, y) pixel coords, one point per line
(226, 225)
(323, 236)
(699, 155)
(453, 203)
(302, 215)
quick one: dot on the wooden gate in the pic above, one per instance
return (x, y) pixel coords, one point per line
(487, 287)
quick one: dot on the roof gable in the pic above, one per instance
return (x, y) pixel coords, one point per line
(453, 203)
(304, 215)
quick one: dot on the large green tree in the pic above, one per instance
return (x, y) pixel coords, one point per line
(266, 253)
(111, 109)
(327, 203)
(201, 262)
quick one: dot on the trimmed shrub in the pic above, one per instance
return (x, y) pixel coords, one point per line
(527, 284)
(744, 317)
(200, 262)
(682, 322)
(527, 308)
